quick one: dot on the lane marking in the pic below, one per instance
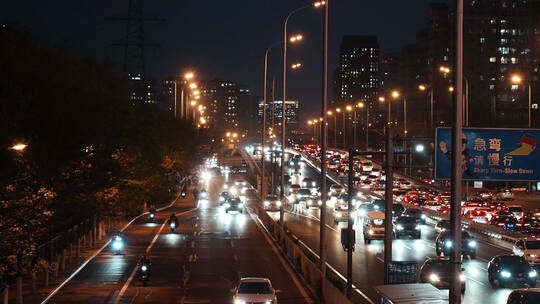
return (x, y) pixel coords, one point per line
(132, 275)
(475, 280)
(287, 267)
(74, 273)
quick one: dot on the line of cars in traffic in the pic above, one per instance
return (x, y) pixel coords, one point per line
(506, 270)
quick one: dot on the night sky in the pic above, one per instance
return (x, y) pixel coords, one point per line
(224, 39)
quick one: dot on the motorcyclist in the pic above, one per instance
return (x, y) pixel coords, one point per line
(184, 192)
(173, 219)
(144, 260)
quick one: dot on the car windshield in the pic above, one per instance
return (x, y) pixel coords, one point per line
(254, 288)
(532, 244)
(514, 262)
(413, 212)
(515, 209)
(440, 267)
(398, 207)
(304, 192)
(406, 220)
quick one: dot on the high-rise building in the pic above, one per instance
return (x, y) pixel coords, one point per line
(292, 108)
(227, 104)
(358, 76)
(141, 89)
(500, 41)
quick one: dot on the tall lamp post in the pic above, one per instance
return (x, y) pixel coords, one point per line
(362, 105)
(516, 79)
(265, 102)
(348, 108)
(423, 87)
(286, 39)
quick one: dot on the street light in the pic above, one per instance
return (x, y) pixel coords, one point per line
(295, 66)
(319, 3)
(517, 80)
(189, 75)
(396, 94)
(296, 38)
(19, 147)
(193, 85)
(423, 87)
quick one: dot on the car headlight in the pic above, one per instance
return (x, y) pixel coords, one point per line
(144, 268)
(310, 201)
(462, 277)
(472, 244)
(376, 207)
(532, 255)
(278, 203)
(448, 244)
(423, 216)
(370, 231)
(118, 245)
(434, 277)
(221, 198)
(532, 274)
(338, 214)
(418, 227)
(320, 202)
(266, 203)
(239, 302)
(399, 227)
(505, 274)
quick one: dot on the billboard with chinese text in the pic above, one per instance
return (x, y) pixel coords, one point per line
(490, 154)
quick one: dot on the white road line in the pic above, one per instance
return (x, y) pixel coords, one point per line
(476, 281)
(132, 275)
(57, 289)
(287, 267)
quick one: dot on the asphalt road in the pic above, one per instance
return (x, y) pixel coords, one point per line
(199, 263)
(368, 259)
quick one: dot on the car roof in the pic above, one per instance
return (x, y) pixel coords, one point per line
(526, 290)
(377, 215)
(254, 279)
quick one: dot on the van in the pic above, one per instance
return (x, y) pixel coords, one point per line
(374, 226)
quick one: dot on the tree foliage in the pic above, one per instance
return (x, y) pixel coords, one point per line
(91, 151)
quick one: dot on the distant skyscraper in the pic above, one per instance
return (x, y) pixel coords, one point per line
(291, 114)
(358, 76)
(227, 104)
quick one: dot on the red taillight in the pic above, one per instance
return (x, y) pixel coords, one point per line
(471, 216)
(500, 224)
(518, 224)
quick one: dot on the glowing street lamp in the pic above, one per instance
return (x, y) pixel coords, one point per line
(189, 75)
(422, 87)
(516, 79)
(296, 38)
(295, 66)
(193, 85)
(319, 3)
(19, 147)
(395, 94)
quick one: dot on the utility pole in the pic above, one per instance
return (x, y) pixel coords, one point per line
(350, 232)
(457, 133)
(324, 144)
(389, 196)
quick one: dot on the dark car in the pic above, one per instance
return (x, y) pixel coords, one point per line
(532, 231)
(444, 244)
(234, 204)
(443, 225)
(416, 213)
(524, 296)
(437, 272)
(507, 222)
(304, 192)
(408, 226)
(506, 270)
(379, 205)
(397, 210)
(224, 197)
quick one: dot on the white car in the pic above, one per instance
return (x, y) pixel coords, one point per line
(405, 185)
(336, 189)
(517, 211)
(529, 248)
(505, 195)
(367, 166)
(254, 290)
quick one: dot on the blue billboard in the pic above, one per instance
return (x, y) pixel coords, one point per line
(490, 154)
